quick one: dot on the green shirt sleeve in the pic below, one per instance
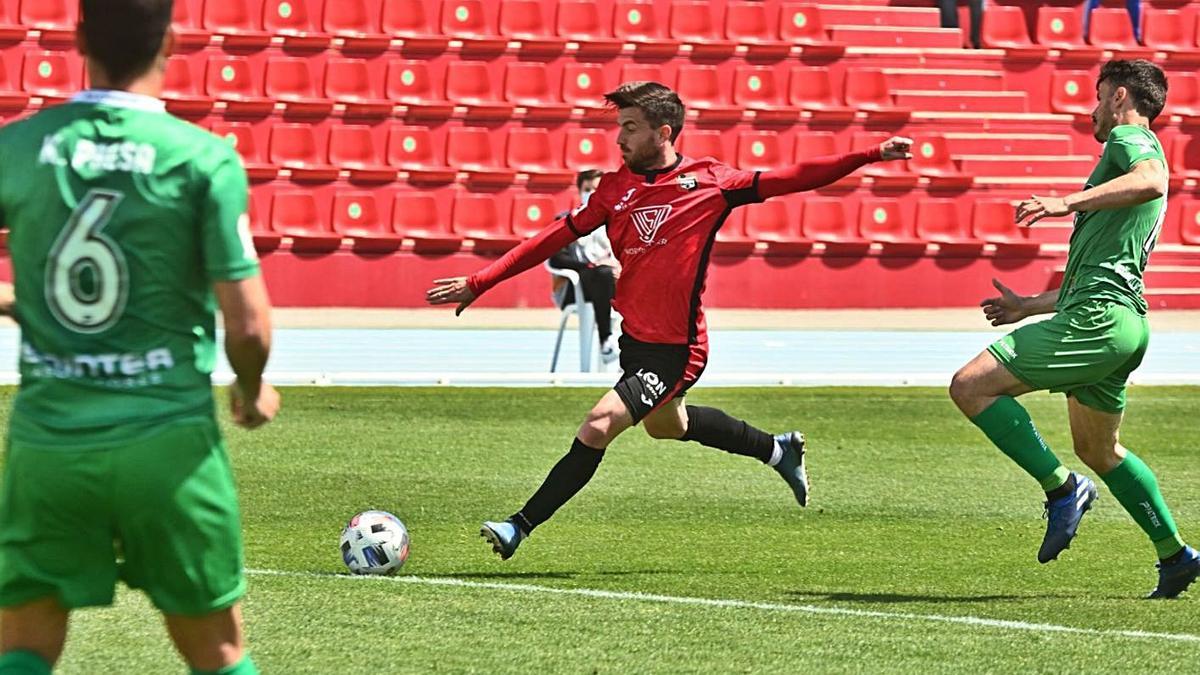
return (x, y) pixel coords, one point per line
(228, 248)
(1129, 145)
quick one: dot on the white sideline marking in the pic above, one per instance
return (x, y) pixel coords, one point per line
(746, 604)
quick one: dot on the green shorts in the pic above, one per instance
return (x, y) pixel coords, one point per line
(1087, 351)
(159, 513)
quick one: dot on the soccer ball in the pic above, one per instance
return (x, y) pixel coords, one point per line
(374, 542)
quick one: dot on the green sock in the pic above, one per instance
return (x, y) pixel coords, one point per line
(1134, 485)
(1008, 425)
(23, 662)
(244, 667)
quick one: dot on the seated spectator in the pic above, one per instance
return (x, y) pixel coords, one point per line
(592, 257)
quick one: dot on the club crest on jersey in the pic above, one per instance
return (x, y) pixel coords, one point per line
(648, 219)
(688, 182)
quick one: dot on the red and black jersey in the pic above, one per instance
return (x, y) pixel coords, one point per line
(662, 225)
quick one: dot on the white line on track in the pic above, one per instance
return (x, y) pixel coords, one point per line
(905, 617)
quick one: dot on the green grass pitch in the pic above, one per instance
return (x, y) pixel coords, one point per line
(915, 517)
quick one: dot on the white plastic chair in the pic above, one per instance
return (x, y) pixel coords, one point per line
(587, 321)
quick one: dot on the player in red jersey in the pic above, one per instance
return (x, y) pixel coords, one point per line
(663, 211)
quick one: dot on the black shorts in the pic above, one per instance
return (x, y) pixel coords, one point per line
(656, 373)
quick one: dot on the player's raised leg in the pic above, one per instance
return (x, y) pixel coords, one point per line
(32, 636)
(1097, 442)
(985, 390)
(717, 429)
(606, 420)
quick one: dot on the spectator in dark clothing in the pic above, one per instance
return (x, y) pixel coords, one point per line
(950, 17)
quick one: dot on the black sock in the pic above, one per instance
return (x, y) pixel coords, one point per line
(716, 429)
(1063, 490)
(567, 477)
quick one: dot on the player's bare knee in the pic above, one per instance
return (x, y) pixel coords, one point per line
(1099, 456)
(597, 430)
(963, 389)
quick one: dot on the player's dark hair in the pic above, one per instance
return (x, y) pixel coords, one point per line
(124, 36)
(657, 102)
(1145, 82)
(584, 176)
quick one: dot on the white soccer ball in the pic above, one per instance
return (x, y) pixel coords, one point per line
(374, 542)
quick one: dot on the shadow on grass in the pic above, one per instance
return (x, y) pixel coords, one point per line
(552, 575)
(901, 598)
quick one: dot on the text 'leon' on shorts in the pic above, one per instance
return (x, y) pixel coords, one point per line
(160, 513)
(1087, 351)
(656, 373)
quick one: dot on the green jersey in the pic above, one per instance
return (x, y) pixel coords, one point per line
(120, 219)
(1110, 247)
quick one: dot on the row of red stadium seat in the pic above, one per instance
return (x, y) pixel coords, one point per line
(382, 218)
(378, 153)
(1060, 28)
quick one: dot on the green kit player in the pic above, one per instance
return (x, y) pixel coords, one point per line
(127, 230)
(1098, 333)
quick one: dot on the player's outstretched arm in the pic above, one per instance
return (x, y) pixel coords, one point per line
(463, 290)
(1009, 307)
(1147, 180)
(821, 171)
(247, 314)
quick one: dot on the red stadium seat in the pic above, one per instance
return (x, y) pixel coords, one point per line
(1072, 92)
(693, 23)
(470, 84)
(478, 217)
(882, 221)
(235, 23)
(296, 22)
(528, 85)
(291, 81)
(994, 222)
(12, 99)
(756, 89)
(939, 222)
(52, 76)
(1004, 28)
(636, 22)
(54, 19)
(420, 216)
(777, 222)
(697, 143)
(813, 144)
(760, 151)
(811, 90)
(1185, 155)
(185, 21)
(583, 85)
(241, 136)
(931, 159)
(230, 80)
(1112, 30)
(590, 149)
(747, 23)
(524, 21)
(294, 147)
(411, 21)
(825, 221)
(411, 149)
(183, 89)
(352, 83)
(731, 238)
(580, 22)
(354, 25)
(1168, 30)
(867, 90)
(644, 72)
(800, 24)
(352, 148)
(701, 87)
(296, 215)
(529, 151)
(264, 238)
(532, 213)
(470, 149)
(890, 174)
(1189, 223)
(1061, 28)
(1184, 97)
(468, 21)
(357, 215)
(411, 84)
